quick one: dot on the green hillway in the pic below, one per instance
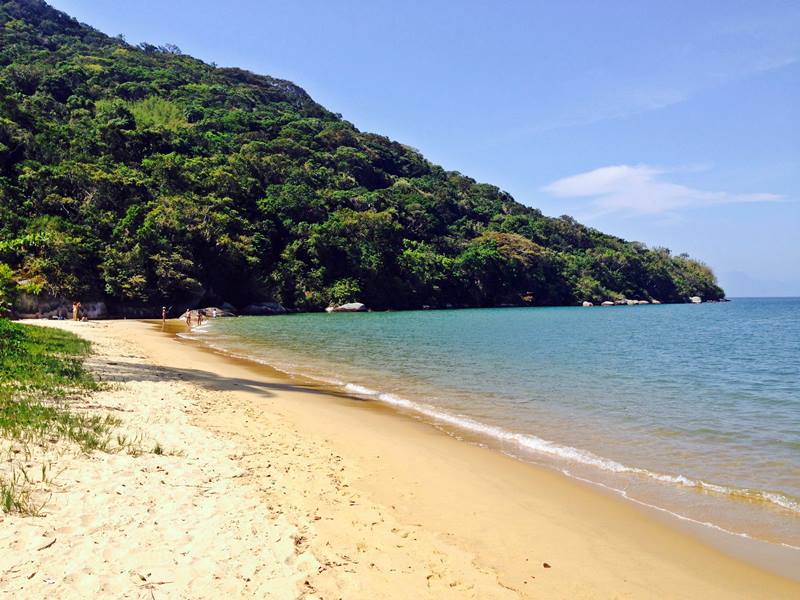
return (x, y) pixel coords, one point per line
(139, 176)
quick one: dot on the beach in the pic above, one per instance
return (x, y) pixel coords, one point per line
(271, 486)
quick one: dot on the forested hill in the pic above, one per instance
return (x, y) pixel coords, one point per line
(142, 176)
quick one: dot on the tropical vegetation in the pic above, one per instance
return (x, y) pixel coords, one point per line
(141, 176)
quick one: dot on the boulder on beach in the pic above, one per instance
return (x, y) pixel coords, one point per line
(622, 302)
(607, 303)
(586, 303)
(695, 299)
(631, 302)
(207, 312)
(263, 308)
(643, 302)
(349, 307)
(217, 311)
(655, 302)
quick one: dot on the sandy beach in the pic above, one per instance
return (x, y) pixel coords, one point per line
(272, 487)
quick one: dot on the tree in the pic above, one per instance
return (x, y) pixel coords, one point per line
(139, 175)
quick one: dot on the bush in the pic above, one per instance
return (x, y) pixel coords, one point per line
(8, 289)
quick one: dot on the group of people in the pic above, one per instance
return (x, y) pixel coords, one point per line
(199, 314)
(200, 318)
(76, 312)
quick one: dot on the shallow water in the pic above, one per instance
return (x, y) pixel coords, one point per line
(694, 409)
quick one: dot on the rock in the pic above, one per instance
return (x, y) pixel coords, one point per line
(695, 299)
(220, 312)
(587, 304)
(631, 302)
(28, 306)
(607, 303)
(263, 308)
(622, 302)
(94, 310)
(655, 302)
(349, 307)
(643, 302)
(136, 311)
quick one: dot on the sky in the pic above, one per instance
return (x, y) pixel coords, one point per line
(675, 124)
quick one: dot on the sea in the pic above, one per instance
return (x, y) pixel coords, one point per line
(693, 410)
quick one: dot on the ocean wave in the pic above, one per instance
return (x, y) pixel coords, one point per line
(537, 445)
(627, 496)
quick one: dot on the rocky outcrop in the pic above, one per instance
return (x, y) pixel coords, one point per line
(217, 311)
(263, 308)
(349, 307)
(695, 299)
(207, 312)
(29, 306)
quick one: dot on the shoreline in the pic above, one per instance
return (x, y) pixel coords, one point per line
(773, 555)
(753, 552)
(391, 507)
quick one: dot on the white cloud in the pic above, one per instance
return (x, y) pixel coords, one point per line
(641, 189)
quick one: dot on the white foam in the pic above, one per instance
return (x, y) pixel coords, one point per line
(537, 445)
(627, 496)
(360, 389)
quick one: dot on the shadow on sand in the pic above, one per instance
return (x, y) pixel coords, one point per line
(132, 372)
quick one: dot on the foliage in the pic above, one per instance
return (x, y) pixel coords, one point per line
(8, 288)
(143, 176)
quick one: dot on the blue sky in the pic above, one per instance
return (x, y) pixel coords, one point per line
(676, 124)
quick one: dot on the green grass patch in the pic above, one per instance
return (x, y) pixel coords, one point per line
(41, 369)
(42, 373)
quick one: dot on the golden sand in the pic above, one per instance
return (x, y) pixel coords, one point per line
(274, 487)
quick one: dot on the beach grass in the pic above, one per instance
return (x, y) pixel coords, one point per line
(41, 372)
(41, 369)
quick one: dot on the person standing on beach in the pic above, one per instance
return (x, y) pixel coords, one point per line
(163, 317)
(189, 319)
(199, 317)
(75, 311)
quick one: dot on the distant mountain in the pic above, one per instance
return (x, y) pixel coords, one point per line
(141, 176)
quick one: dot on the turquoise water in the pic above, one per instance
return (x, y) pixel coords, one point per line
(694, 409)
